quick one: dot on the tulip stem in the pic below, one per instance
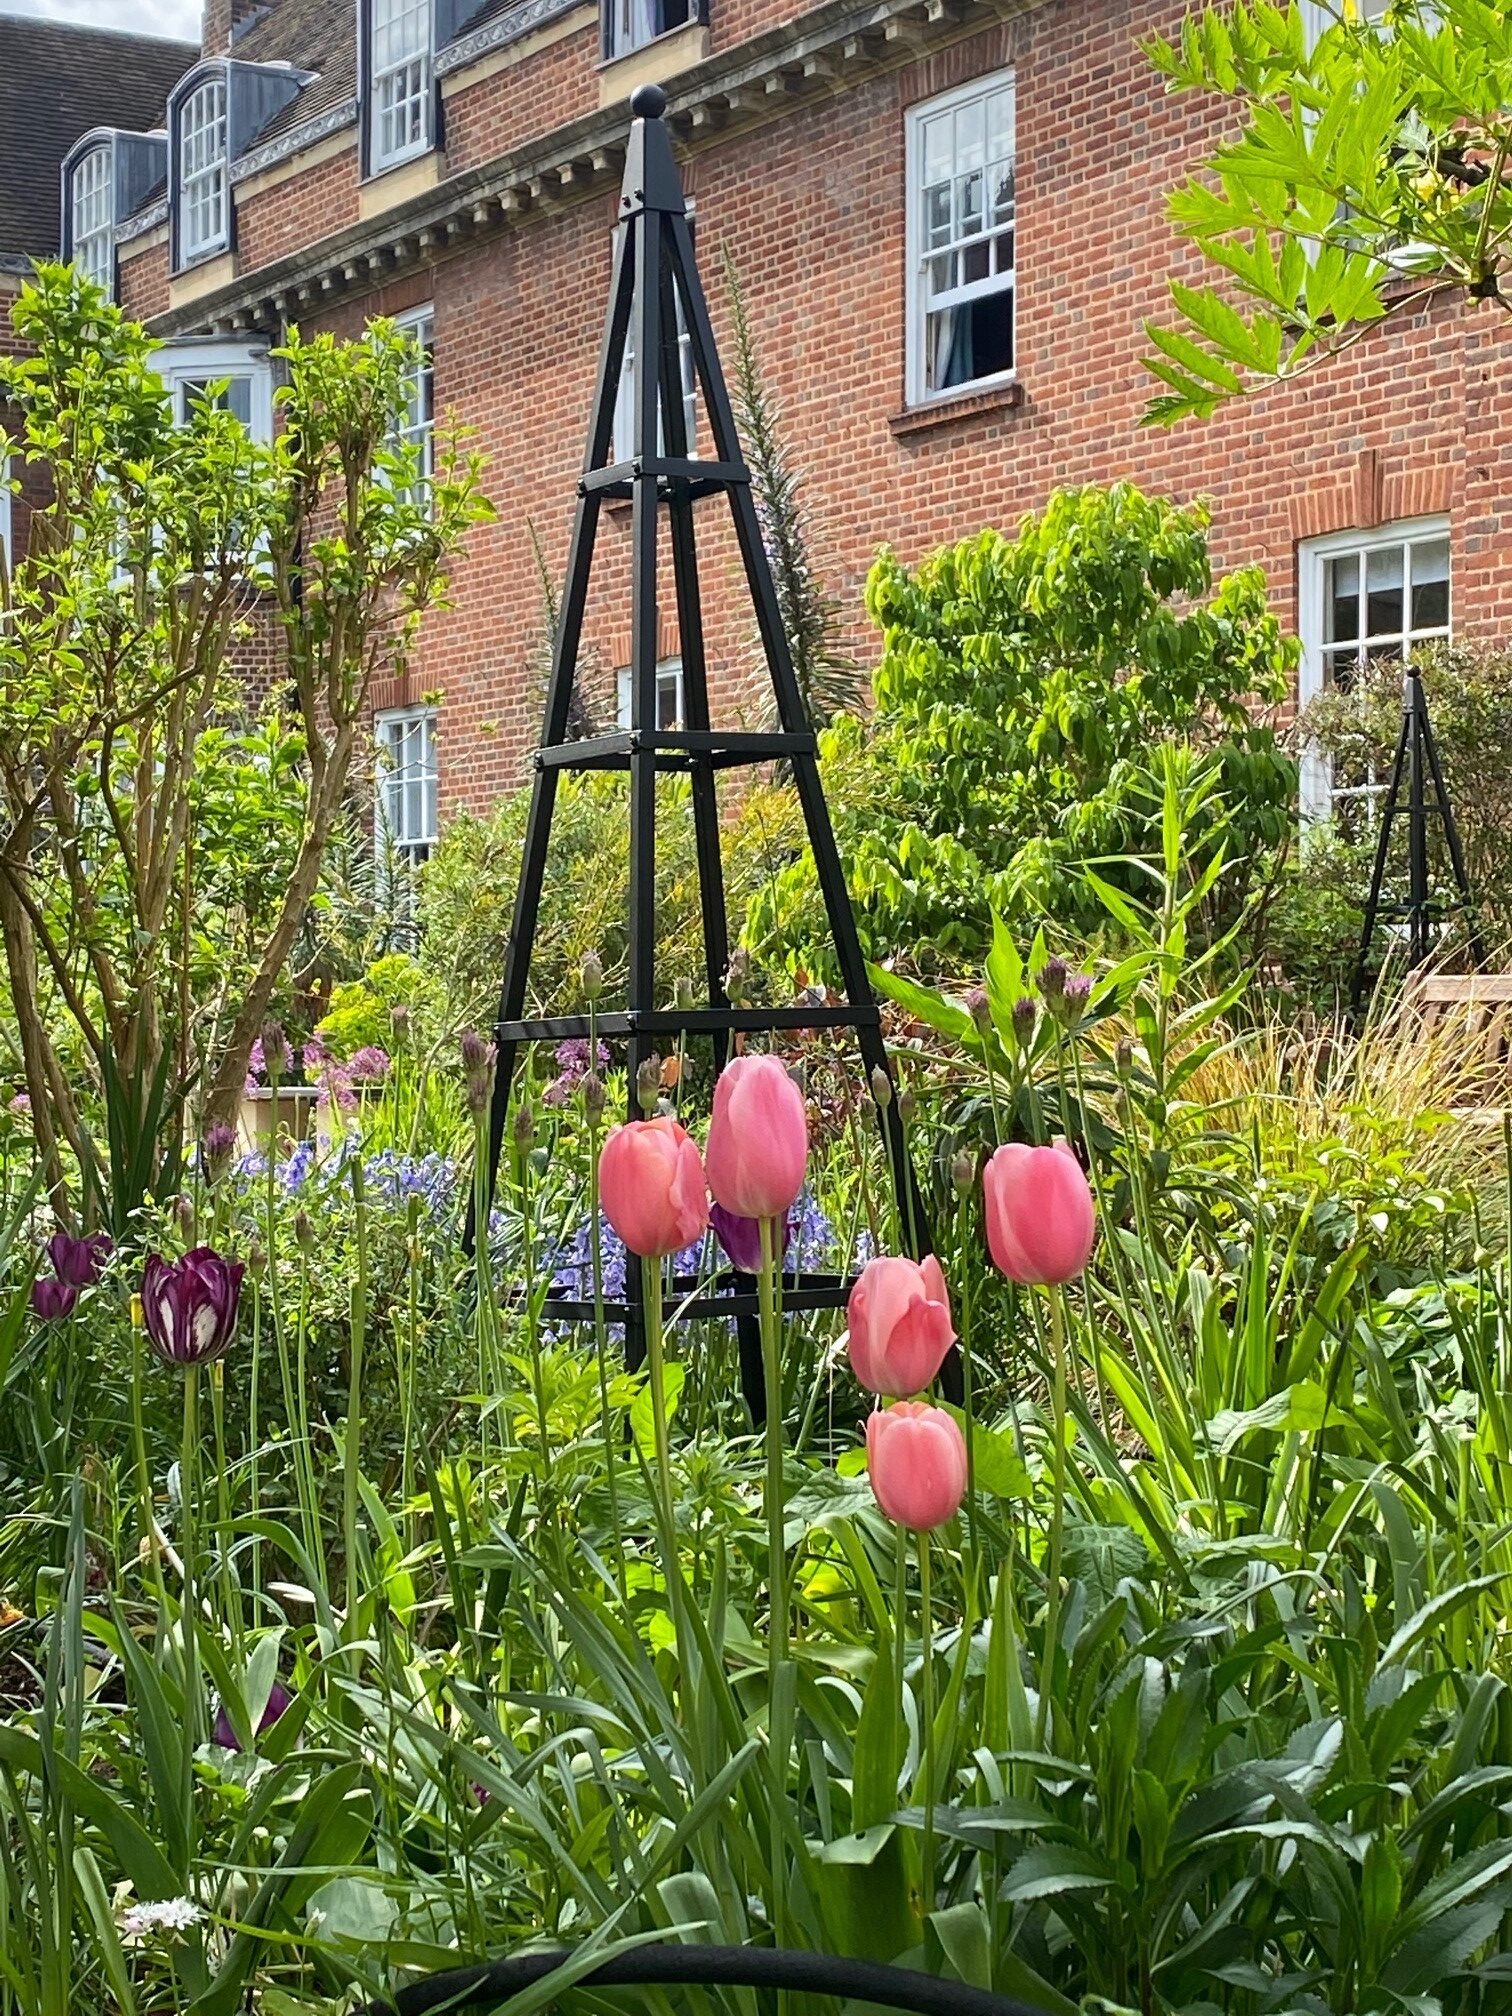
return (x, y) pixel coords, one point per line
(1057, 1507)
(926, 1732)
(351, 1441)
(601, 1329)
(188, 1486)
(144, 1474)
(651, 1299)
(771, 1365)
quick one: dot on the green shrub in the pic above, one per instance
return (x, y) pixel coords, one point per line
(468, 889)
(1024, 684)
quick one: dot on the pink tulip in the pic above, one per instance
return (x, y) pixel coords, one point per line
(652, 1184)
(900, 1327)
(758, 1139)
(1041, 1223)
(916, 1456)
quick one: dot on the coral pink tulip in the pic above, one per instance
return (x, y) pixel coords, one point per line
(758, 1139)
(900, 1327)
(652, 1185)
(1041, 1223)
(916, 1456)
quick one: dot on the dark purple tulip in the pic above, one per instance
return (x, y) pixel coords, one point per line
(279, 1699)
(77, 1262)
(51, 1299)
(741, 1238)
(189, 1305)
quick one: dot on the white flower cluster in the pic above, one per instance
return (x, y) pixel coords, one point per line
(173, 1914)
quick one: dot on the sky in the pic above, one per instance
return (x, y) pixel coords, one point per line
(180, 18)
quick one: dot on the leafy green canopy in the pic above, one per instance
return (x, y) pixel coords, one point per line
(1024, 686)
(1369, 175)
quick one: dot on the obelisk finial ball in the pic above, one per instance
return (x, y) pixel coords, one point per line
(648, 101)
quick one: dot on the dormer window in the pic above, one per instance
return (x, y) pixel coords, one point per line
(91, 199)
(204, 168)
(401, 91)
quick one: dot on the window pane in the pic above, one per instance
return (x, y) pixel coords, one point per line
(1430, 586)
(1384, 608)
(1341, 615)
(963, 281)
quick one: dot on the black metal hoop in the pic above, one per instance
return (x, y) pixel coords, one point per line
(828, 1974)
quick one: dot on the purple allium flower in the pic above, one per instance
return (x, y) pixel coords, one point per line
(78, 1262)
(315, 1056)
(280, 1700)
(52, 1299)
(189, 1305)
(572, 1068)
(21, 1104)
(370, 1065)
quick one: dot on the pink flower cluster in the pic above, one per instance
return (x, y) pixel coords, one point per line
(1041, 1227)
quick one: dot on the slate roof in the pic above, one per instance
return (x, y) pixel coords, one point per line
(319, 35)
(56, 82)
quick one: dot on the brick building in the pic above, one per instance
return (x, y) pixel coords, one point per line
(950, 219)
(56, 83)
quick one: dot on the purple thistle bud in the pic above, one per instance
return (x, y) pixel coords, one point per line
(524, 1124)
(189, 1306)
(595, 1098)
(219, 1143)
(478, 1059)
(648, 1083)
(1078, 994)
(979, 1008)
(1025, 1015)
(276, 1055)
(1052, 979)
(52, 1299)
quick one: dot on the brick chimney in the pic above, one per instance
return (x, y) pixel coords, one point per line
(224, 20)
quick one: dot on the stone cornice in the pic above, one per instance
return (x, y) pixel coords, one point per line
(143, 221)
(514, 26)
(837, 44)
(307, 134)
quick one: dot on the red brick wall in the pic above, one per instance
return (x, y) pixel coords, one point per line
(296, 212)
(812, 206)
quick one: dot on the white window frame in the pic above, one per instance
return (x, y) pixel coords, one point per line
(631, 24)
(1316, 787)
(204, 169)
(399, 726)
(917, 253)
(418, 429)
(669, 678)
(91, 215)
(5, 513)
(401, 84)
(188, 364)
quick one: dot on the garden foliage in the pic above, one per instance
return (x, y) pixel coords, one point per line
(1024, 689)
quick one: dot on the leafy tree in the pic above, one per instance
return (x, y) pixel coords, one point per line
(140, 852)
(1369, 175)
(1024, 686)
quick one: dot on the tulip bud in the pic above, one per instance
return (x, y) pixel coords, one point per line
(651, 1181)
(963, 1173)
(757, 1153)
(189, 1307)
(899, 1325)
(595, 1098)
(1041, 1221)
(916, 1458)
(591, 976)
(1024, 1015)
(881, 1087)
(979, 1008)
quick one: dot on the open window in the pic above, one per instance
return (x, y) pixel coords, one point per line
(961, 239)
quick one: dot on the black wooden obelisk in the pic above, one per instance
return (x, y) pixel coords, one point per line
(653, 274)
